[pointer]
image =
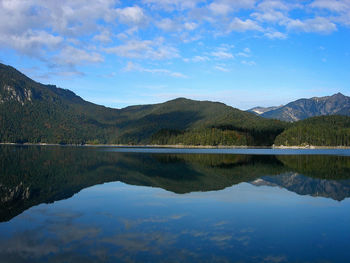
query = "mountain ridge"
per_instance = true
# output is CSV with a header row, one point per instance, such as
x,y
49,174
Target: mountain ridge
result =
x,y
336,104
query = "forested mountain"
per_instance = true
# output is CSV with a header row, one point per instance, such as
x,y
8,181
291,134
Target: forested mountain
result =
x,y
37,113
321,130
32,112
337,104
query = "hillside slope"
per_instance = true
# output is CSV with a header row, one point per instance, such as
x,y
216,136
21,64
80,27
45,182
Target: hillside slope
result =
x,y
318,131
196,122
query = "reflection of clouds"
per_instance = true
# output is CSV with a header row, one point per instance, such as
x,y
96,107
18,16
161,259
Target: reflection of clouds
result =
x,y
194,233
53,239
62,224
70,233
57,214
244,240
150,247
58,237
128,223
152,242
220,238
220,223
27,244
64,239
247,230
175,217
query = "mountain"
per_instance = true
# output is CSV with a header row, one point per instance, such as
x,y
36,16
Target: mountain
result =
x,y
260,110
37,113
337,104
33,112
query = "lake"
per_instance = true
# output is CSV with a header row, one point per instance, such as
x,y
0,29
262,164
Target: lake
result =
x,y
106,204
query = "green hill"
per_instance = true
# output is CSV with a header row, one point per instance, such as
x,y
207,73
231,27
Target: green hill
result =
x,y
33,112
196,123
318,131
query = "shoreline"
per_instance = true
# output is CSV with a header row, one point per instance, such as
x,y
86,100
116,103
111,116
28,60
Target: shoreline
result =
x,y
180,146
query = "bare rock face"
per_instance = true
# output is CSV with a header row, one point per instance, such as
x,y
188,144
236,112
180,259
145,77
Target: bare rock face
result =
x,y
12,94
261,110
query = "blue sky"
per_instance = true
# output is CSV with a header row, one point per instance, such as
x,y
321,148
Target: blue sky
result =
x,y
244,53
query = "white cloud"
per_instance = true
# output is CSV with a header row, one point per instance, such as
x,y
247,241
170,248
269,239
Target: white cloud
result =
x,y
145,49
136,67
72,56
32,43
269,16
220,9
275,4
340,9
318,25
104,36
245,53
332,5
243,25
221,68
200,59
242,54
172,25
41,29
170,5
223,52
220,54
234,4
275,35
190,26
167,24
274,11
72,18
131,15
248,63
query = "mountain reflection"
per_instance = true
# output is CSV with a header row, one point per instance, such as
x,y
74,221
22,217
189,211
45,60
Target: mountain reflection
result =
x,y
33,175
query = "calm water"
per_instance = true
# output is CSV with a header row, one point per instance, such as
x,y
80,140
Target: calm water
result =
x,y
72,204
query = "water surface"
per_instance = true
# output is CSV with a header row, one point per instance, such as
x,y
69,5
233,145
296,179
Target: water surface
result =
x,y
82,204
